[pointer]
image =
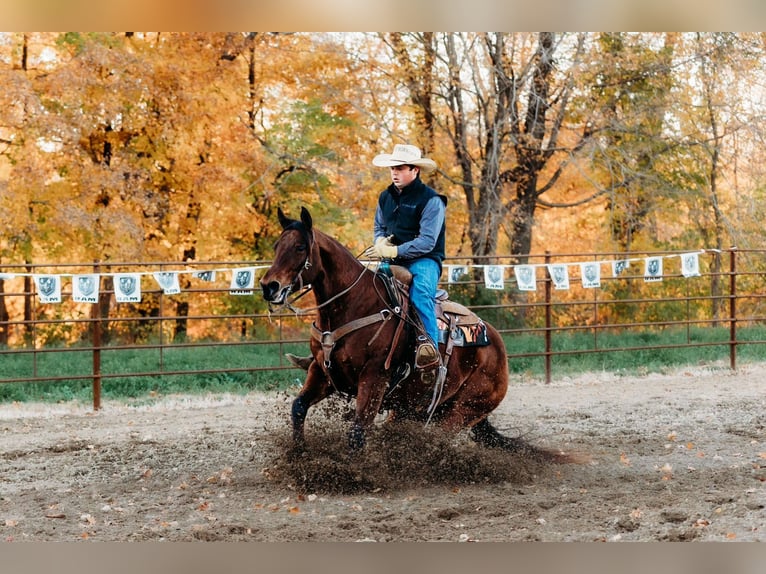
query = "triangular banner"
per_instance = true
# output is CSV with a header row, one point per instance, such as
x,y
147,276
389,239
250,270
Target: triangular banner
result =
x,y
208,276
48,288
653,269
85,288
127,287
493,277
590,274
559,274
619,265
242,281
168,282
525,277
455,272
690,265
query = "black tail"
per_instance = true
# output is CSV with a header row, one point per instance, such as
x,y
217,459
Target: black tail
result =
x,y
487,435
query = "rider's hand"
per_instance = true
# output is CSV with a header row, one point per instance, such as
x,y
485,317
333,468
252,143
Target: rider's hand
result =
x,y
384,241
373,251
385,251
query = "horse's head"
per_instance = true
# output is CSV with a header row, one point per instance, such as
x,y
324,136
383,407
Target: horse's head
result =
x,y
292,256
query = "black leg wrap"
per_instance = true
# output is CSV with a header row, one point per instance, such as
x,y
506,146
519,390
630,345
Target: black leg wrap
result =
x,y
299,410
356,438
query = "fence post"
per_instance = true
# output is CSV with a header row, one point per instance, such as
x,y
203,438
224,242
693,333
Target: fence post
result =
x,y
548,336
96,332
733,308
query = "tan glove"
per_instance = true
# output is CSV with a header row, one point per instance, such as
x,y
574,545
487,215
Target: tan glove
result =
x,y
373,252
385,250
384,241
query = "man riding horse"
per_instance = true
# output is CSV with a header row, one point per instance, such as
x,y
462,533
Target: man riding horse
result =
x,y
409,230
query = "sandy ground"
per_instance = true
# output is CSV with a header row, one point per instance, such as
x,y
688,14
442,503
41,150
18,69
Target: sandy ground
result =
x,y
672,457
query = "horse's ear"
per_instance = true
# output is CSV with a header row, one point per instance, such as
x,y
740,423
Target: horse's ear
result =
x,y
283,220
306,218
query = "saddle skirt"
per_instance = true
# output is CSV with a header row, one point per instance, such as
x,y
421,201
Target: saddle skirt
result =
x,y
458,325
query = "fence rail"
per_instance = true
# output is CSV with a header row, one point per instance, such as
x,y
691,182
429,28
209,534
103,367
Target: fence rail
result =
x,y
37,338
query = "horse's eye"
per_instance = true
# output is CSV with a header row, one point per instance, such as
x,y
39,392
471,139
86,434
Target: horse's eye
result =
x,y
301,248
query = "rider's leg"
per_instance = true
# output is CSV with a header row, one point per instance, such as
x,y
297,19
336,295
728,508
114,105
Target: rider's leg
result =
x,y
425,278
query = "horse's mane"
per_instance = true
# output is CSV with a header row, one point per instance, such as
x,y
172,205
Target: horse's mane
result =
x,y
338,249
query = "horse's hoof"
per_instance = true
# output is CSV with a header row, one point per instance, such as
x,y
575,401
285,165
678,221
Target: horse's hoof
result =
x,y
296,451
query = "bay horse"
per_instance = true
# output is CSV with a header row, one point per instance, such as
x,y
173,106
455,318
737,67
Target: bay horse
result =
x,y
357,350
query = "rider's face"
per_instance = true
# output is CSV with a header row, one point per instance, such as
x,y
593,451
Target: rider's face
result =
x,y
403,175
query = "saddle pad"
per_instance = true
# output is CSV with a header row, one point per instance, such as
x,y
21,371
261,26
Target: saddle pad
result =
x,y
474,335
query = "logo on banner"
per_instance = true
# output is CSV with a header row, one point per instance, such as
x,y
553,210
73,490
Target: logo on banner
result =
x,y
208,276
690,265
242,281
85,288
49,288
591,275
168,282
127,288
559,275
525,277
653,269
456,272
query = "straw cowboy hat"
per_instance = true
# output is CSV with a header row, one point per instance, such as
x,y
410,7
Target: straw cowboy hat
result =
x,y
405,154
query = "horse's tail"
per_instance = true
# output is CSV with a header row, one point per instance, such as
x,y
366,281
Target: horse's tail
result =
x,y
487,435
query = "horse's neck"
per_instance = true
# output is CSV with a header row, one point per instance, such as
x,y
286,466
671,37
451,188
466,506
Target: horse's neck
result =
x,y
340,288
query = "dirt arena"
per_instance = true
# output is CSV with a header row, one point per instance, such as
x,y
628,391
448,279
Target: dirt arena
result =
x,y
671,457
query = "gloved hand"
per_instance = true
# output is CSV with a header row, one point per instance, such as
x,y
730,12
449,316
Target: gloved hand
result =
x,y
380,242
384,241
385,250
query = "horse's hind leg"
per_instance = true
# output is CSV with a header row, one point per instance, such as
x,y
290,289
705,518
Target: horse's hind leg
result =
x,y
487,435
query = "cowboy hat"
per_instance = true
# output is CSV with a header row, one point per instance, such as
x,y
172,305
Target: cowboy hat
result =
x,y
404,154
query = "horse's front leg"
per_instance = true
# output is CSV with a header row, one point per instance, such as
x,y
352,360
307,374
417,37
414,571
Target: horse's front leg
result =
x,y
370,393
315,388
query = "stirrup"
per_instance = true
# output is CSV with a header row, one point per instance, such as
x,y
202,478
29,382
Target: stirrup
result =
x,y
426,355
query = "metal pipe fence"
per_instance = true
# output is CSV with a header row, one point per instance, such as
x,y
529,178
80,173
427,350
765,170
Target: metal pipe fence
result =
x,y
178,333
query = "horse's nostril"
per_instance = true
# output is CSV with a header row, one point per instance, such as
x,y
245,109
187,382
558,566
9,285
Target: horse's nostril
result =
x,y
270,289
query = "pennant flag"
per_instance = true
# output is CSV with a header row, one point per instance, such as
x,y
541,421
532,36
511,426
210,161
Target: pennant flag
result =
x,y
208,276
690,265
242,281
525,277
455,272
559,274
86,288
168,282
653,269
590,274
619,266
493,277
48,288
127,287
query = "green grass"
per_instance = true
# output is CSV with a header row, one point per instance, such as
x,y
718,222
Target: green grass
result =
x,y
121,372
130,384
579,347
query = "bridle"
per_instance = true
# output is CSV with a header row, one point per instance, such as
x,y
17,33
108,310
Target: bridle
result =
x,y
288,304
303,289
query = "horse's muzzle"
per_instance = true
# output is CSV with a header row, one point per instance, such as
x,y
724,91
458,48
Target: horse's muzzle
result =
x,y
274,292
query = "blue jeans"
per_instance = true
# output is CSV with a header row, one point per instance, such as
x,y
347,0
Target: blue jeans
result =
x,y
425,278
